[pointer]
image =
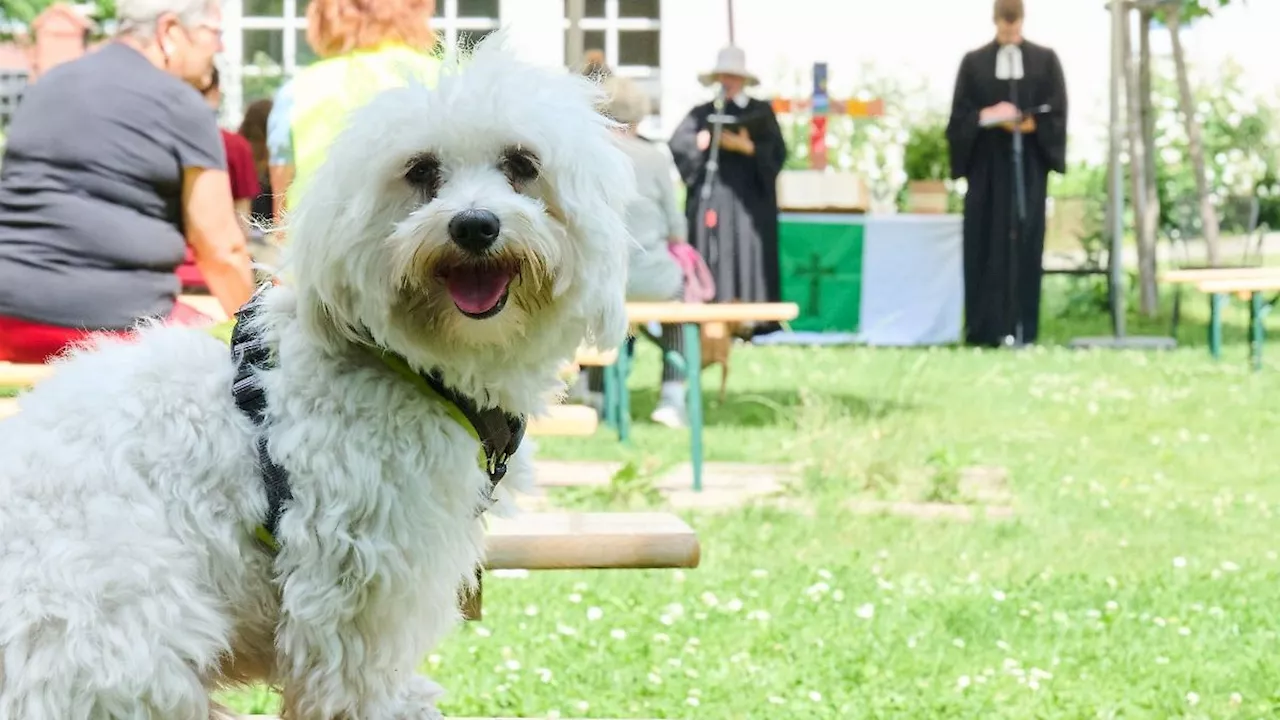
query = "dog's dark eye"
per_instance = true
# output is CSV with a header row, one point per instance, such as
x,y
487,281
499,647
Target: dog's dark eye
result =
x,y
520,166
423,173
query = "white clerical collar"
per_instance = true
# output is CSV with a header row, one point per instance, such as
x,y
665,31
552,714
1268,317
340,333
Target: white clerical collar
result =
x,y
741,100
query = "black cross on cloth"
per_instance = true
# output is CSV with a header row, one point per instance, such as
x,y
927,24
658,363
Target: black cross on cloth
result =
x,y
815,271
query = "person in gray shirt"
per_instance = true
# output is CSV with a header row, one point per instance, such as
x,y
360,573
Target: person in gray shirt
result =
x,y
113,165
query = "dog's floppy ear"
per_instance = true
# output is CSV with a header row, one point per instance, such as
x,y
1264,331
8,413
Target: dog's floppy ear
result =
x,y
607,249
594,188
608,327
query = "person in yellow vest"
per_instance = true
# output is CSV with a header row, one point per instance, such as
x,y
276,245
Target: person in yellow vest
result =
x,y
365,47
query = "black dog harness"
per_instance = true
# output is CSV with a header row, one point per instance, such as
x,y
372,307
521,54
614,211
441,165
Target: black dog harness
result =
x,y
498,432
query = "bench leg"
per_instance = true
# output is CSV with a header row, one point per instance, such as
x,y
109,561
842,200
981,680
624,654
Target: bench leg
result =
x,y
471,601
1257,311
1215,325
1177,311
610,410
622,394
693,396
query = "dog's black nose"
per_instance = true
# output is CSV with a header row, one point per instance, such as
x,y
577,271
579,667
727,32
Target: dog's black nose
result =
x,y
474,230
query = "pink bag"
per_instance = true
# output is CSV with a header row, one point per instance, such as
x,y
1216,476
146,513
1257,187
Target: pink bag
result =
x,y
698,285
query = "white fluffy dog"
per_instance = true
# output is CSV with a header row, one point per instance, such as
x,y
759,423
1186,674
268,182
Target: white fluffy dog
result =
x,y
474,231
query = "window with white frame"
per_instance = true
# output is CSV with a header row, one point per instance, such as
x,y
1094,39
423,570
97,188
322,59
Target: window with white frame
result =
x,y
273,40
273,44
629,34
464,21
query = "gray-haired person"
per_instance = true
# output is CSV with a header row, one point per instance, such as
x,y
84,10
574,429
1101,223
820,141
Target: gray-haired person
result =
x,y
113,166
655,222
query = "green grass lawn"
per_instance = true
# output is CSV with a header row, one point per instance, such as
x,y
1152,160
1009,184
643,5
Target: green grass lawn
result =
x,y
1139,577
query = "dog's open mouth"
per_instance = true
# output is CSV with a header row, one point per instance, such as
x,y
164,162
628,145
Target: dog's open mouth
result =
x,y
479,290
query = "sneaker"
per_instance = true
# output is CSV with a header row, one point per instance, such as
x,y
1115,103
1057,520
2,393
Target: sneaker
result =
x,y
671,409
670,415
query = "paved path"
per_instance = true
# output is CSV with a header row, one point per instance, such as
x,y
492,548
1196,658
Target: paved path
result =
x,y
982,490
724,485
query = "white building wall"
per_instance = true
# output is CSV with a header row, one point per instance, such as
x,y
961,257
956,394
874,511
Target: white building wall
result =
x,y
922,41
535,28
918,42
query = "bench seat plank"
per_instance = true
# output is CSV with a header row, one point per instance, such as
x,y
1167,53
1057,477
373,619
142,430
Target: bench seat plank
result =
x,y
591,541
1192,276
673,312
22,376
565,420
591,357
206,304
1234,285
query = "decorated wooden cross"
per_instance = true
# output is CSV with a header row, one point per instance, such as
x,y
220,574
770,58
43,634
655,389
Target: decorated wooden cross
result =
x,y
820,106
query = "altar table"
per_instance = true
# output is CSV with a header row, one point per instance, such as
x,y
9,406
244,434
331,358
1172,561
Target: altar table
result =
x,y
888,279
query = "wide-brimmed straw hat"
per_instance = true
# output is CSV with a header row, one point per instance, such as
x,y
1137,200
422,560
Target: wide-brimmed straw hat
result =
x,y
730,61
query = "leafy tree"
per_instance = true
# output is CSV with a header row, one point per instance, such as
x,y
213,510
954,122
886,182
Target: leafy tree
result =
x,y
1175,14
23,11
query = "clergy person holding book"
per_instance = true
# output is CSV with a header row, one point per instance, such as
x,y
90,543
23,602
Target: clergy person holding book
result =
x,y
1002,256
736,228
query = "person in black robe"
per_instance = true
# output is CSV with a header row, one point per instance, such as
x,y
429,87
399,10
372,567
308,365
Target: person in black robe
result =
x,y
996,299
741,245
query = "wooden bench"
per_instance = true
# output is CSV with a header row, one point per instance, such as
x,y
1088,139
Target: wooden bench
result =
x,y
1192,276
565,420
206,304
1252,283
584,541
560,420
587,541
691,316
22,376
274,718
1255,288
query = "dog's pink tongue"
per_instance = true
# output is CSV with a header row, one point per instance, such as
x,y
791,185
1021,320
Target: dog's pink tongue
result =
x,y
477,290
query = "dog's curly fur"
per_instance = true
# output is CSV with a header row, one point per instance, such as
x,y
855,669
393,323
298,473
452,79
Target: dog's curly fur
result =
x,y
131,585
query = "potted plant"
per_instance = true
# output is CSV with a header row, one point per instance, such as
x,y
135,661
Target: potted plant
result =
x,y
927,163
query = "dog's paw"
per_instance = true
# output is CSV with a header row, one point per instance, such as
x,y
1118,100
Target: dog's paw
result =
x,y
417,701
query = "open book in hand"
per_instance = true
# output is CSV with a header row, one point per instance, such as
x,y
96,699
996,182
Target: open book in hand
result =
x,y
1012,118
995,120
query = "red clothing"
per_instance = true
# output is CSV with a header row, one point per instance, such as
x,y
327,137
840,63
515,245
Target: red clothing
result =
x,y
36,343
240,166
244,186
